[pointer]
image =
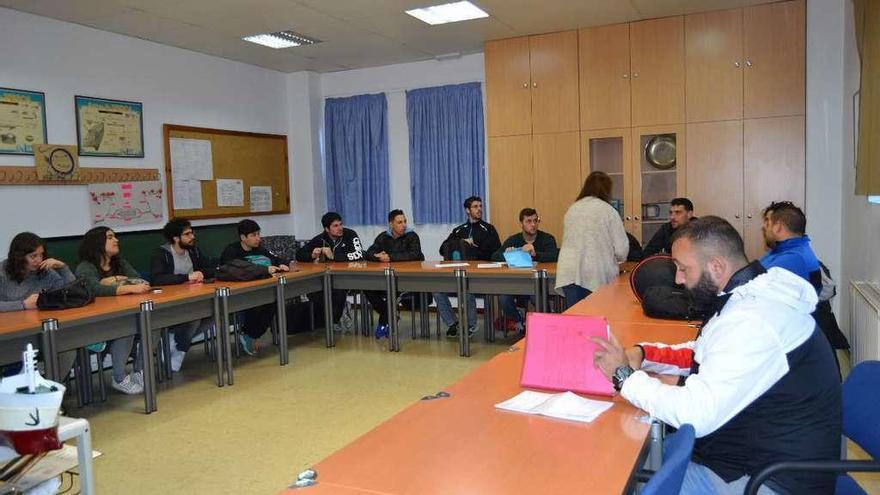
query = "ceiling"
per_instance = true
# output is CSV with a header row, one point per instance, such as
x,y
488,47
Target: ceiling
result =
x,y
354,33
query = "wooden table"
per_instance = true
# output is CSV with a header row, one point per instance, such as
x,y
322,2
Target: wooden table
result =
x,y
462,444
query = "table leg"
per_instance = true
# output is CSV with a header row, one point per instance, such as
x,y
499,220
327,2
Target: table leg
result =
x,y
218,346
281,317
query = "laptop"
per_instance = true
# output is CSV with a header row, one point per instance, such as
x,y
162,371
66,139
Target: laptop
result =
x,y
518,259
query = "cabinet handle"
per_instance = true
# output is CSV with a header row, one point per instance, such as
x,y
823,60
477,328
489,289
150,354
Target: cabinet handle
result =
x,y
736,216
635,218
626,76
534,85
635,75
526,85
748,216
748,62
736,63
628,219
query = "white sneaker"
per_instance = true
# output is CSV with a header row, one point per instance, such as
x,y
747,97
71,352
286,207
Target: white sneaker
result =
x,y
138,377
177,360
128,386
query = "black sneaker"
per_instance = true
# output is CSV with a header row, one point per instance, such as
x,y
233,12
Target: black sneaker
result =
x,y
452,331
472,330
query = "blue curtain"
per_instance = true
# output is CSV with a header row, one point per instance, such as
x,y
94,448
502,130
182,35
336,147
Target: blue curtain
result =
x,y
446,150
356,158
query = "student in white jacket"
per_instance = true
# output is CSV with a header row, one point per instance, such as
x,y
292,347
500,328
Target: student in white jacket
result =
x,y
593,241
759,383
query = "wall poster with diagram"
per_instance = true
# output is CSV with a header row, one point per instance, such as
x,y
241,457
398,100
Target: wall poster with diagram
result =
x,y
126,203
109,127
22,121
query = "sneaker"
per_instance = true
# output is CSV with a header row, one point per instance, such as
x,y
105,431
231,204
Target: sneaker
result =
x,y
471,331
128,386
247,344
138,377
381,331
452,331
177,360
96,348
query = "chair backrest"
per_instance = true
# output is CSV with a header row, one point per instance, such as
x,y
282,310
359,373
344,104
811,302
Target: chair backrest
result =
x,y
861,407
847,486
676,455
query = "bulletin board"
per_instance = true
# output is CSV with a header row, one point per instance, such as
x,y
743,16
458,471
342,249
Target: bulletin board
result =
x,y
258,161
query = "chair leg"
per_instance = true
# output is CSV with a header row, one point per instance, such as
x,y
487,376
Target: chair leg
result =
x,y
412,315
311,315
236,331
102,384
166,352
81,376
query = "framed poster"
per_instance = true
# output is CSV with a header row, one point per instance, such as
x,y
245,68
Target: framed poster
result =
x,y
109,127
22,121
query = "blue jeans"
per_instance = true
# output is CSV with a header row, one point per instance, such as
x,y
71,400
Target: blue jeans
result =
x,y
508,306
448,316
574,293
700,480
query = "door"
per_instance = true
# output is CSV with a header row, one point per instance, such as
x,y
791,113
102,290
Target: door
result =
x,y
610,151
604,77
510,181
713,55
715,170
508,87
656,184
775,167
558,180
554,64
774,77
657,52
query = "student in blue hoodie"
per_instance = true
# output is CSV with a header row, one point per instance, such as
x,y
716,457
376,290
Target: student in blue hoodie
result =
x,y
784,230
395,244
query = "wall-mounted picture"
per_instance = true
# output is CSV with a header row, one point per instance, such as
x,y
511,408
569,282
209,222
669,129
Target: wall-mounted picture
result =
x,y
22,121
109,127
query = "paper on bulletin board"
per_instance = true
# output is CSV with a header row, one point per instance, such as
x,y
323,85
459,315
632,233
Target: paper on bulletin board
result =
x,y
230,192
126,203
191,159
261,198
187,194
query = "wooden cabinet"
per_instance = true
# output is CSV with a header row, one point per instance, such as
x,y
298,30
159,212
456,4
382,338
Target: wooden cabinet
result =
x,y
554,63
774,170
532,84
774,49
657,67
508,83
604,77
653,188
557,177
715,170
511,181
714,59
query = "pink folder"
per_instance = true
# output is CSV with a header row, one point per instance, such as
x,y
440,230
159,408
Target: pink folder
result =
x,y
559,354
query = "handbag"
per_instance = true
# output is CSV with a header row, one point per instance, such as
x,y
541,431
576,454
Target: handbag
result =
x,y
73,295
241,271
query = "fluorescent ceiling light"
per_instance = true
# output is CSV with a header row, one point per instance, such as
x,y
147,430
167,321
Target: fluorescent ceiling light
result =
x,y
281,39
448,12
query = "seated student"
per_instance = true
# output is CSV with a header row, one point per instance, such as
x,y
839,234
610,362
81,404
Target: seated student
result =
x,y
758,384
249,248
180,261
108,274
540,245
395,244
681,211
472,240
335,243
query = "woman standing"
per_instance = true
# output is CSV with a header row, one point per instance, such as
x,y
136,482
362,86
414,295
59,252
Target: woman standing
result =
x,y
593,241
108,274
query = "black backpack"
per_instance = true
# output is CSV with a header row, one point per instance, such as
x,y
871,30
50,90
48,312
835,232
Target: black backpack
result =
x,y
241,271
73,295
465,250
653,283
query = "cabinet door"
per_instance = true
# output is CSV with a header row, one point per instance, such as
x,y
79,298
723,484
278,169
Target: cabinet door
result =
x,y
657,51
774,77
774,171
654,187
508,87
713,56
557,177
715,170
610,151
554,63
604,77
510,181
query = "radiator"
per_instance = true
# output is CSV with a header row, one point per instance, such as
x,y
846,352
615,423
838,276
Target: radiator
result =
x,y
864,324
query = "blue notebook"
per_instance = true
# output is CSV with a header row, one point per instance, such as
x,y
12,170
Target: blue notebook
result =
x,y
518,259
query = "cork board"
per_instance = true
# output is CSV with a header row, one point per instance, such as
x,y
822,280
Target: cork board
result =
x,y
258,160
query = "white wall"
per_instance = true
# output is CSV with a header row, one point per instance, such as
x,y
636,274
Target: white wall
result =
x,y
861,225
394,80
175,86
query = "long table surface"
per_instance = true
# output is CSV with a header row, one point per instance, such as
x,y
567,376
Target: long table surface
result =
x,y
462,444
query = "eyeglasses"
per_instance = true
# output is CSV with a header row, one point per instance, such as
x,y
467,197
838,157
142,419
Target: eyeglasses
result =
x,y
439,395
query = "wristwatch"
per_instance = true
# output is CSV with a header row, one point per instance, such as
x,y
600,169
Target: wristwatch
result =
x,y
620,375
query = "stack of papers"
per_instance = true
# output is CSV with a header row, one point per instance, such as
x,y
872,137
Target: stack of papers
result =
x,y
566,405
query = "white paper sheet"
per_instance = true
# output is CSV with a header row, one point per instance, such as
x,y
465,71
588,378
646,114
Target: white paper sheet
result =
x,y
191,159
261,198
566,405
187,194
450,265
230,192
